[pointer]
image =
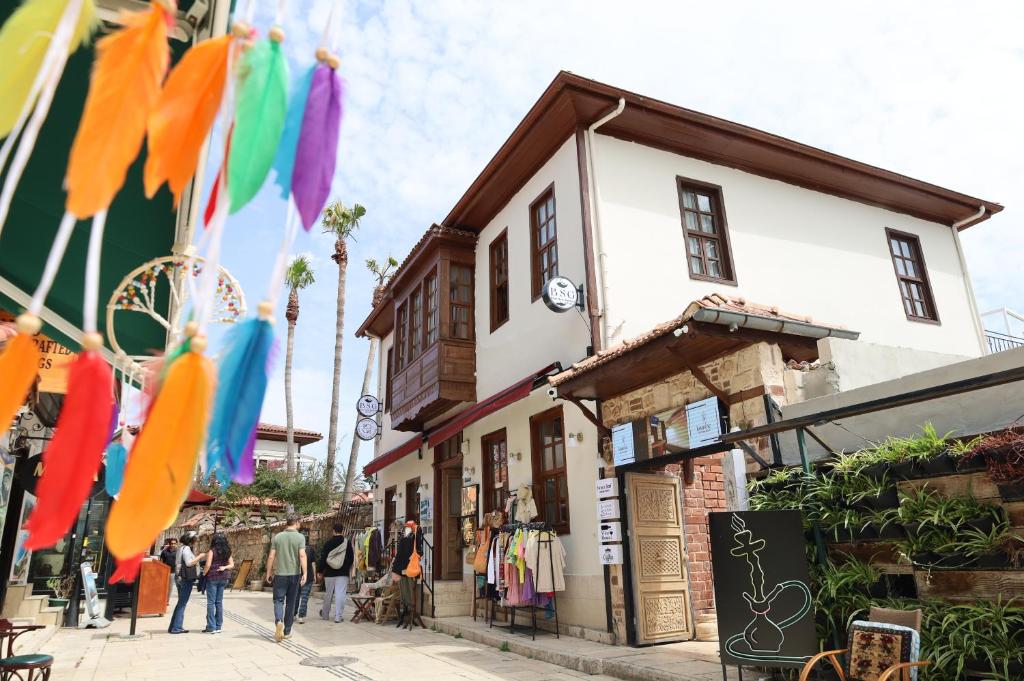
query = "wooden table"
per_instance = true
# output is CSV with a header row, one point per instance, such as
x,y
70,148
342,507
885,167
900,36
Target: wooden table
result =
x,y
364,608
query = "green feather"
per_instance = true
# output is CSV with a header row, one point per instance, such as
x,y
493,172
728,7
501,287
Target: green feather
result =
x,y
259,120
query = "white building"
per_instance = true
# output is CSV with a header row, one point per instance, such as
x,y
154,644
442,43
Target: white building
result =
x,y
653,210
271,450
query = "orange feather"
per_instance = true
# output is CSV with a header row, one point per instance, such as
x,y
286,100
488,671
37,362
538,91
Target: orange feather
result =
x,y
19,364
185,112
130,65
163,460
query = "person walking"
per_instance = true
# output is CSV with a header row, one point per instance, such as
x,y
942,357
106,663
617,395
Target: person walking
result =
x,y
311,575
219,565
169,557
186,572
336,562
286,571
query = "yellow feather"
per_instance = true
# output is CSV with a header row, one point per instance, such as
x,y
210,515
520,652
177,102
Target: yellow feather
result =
x,y
162,464
24,40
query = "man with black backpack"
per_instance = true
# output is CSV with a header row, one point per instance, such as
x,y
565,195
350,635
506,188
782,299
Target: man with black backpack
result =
x,y
335,564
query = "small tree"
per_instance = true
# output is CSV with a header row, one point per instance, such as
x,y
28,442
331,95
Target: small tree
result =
x,y
298,277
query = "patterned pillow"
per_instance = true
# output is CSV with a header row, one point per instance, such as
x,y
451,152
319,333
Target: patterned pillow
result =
x,y
875,646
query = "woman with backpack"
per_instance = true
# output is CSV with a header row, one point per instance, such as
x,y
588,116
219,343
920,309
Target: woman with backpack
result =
x,y
186,573
218,567
335,564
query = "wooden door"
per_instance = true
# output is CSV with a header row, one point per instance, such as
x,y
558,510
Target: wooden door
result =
x,y
451,535
661,598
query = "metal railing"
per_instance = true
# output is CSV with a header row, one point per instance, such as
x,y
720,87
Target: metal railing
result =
x,y
999,342
426,565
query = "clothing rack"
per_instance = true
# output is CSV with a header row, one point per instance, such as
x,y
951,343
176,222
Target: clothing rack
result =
x,y
542,527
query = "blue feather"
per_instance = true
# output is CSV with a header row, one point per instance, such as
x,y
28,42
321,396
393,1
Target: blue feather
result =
x,y
113,475
241,385
284,162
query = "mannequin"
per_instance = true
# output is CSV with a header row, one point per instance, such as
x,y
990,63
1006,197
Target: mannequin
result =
x,y
522,508
403,557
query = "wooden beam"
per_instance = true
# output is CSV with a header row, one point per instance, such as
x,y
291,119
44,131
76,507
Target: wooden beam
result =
x,y
744,395
602,430
699,374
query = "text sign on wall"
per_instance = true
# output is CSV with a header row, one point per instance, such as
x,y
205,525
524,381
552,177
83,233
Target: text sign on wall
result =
x,y
607,487
622,444
611,531
608,509
703,422
610,554
762,591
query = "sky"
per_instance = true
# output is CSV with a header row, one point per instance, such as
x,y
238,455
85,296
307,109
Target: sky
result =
x,y
930,89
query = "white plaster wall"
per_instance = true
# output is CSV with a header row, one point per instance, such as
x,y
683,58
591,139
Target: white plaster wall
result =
x,y
804,251
534,336
856,363
389,439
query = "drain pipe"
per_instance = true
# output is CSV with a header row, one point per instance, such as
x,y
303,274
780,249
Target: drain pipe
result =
x,y
602,268
975,315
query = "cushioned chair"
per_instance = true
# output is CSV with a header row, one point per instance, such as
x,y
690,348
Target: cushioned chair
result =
x,y
32,667
886,648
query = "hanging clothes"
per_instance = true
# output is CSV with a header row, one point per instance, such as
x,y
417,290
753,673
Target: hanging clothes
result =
x,y
549,559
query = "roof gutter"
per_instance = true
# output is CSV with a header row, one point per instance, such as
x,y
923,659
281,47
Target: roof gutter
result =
x,y
737,320
595,200
968,287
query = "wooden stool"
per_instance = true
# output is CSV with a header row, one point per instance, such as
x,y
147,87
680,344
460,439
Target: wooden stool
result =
x,y
364,608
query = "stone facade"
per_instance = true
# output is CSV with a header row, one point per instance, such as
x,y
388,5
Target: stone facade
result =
x,y
759,365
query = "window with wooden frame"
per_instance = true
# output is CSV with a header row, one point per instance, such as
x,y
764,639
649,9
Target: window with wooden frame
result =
x,y
550,475
495,470
412,500
387,384
430,293
402,337
708,253
499,280
912,276
461,297
449,449
415,323
390,507
543,240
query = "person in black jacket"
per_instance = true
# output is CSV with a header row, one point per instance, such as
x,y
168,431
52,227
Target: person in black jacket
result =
x,y
336,578
403,554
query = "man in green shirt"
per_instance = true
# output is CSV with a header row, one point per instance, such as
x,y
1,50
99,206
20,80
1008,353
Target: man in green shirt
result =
x,y
286,570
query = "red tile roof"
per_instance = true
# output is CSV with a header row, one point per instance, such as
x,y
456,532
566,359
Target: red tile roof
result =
x,y
270,431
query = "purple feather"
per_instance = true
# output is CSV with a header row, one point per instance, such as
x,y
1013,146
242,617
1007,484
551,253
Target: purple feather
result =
x,y
317,151
246,472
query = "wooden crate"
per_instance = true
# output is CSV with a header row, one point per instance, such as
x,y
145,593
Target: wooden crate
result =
x,y
884,556
969,585
963,484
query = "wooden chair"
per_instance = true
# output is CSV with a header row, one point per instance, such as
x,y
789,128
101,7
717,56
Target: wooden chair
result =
x,y
386,605
898,671
31,667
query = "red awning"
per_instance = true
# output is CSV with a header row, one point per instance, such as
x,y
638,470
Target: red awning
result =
x,y
381,462
197,498
509,395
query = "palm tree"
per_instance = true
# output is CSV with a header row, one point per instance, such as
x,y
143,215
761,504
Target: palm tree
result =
x,y
298,277
340,221
381,274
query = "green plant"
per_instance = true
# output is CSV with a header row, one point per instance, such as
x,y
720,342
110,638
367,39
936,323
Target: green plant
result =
x,y
928,444
773,479
62,587
987,634
458,634
504,647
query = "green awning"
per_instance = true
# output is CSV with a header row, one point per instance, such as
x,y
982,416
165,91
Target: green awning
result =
x,y
137,229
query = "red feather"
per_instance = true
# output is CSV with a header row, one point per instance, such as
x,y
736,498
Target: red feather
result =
x,y
127,570
73,458
211,203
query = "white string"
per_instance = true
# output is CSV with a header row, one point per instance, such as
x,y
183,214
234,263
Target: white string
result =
x,y
44,87
279,15
92,272
211,268
335,32
60,244
250,11
325,38
281,263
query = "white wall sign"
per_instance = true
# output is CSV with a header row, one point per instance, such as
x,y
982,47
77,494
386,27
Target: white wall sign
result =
x,y
607,487
622,444
560,294
608,509
610,554
703,422
610,531
734,477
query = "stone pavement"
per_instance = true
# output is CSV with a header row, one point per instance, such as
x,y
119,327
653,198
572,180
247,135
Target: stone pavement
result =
x,y
246,651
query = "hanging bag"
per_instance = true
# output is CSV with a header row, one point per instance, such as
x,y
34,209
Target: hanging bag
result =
x,y
414,569
336,558
483,547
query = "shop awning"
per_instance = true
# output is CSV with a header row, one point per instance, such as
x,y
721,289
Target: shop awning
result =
x,y
500,400
382,462
197,498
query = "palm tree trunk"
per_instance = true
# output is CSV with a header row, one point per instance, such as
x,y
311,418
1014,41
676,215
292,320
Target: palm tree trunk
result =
x,y
290,414
354,454
341,257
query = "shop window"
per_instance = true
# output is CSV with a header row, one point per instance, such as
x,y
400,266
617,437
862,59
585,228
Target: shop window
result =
x,y
449,449
430,289
412,500
461,297
544,240
390,499
708,254
495,470
550,475
912,276
499,280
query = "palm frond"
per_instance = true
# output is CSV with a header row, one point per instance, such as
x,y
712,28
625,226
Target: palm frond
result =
x,y
300,273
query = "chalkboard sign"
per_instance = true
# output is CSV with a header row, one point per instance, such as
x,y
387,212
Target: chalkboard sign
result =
x,y
762,588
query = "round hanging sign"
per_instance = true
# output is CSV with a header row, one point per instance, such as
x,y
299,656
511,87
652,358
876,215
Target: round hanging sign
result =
x,y
366,429
560,294
368,405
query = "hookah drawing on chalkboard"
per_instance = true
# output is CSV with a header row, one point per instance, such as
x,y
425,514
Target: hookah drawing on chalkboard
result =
x,y
763,638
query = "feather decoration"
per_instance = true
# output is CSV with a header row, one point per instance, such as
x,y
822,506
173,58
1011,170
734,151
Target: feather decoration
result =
x,y
18,366
160,469
24,41
242,382
215,191
127,569
180,123
76,451
259,118
130,65
113,472
317,151
284,161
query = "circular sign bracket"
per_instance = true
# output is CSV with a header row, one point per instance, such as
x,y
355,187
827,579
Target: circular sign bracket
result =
x,y
368,405
561,295
367,429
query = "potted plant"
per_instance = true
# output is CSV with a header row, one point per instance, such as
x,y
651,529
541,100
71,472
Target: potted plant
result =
x,y
885,523
877,494
929,453
992,549
62,588
959,452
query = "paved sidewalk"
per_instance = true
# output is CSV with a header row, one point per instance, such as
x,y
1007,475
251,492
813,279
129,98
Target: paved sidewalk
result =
x,y
246,651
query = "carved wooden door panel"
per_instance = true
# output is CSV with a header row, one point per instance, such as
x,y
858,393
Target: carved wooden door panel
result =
x,y
661,594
